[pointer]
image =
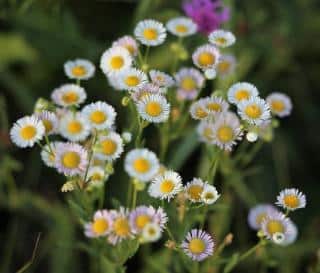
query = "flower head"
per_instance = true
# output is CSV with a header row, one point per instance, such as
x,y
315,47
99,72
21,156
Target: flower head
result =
x,y
121,228
206,57
27,131
291,199
226,65
258,213
99,115
189,82
151,233
254,110
181,26
166,185
222,38
154,108
198,245
150,32
194,189
129,43
109,147
48,154
209,194
140,217
74,127
68,95
161,79
49,120
280,104
79,69
242,91
100,226
132,79
71,159
141,164
115,60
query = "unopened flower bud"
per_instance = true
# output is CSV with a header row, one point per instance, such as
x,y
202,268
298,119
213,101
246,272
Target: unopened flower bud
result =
x,y
125,101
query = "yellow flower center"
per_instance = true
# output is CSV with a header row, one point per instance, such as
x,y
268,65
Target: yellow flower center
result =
x,y
181,29
201,113
78,71
242,95
277,106
121,227
197,246
130,48
71,160
291,201
224,66
274,226
141,165
188,84
151,231
209,196
47,125
100,226
28,132
225,133
108,146
253,111
142,220
221,40
132,81
206,59
150,34
116,62
153,109
74,127
98,117
96,176
70,97
194,191
213,106
166,186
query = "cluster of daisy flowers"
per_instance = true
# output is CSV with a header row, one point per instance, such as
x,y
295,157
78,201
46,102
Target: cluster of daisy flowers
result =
x,y
273,224
82,143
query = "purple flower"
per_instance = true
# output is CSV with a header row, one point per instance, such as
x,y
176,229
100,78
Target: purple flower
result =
x,y
207,14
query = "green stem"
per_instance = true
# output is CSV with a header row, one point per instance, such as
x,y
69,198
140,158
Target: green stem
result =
x,y
146,55
90,156
134,196
250,251
213,169
164,140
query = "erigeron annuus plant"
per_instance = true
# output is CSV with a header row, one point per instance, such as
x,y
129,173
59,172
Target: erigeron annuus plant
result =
x,y
84,143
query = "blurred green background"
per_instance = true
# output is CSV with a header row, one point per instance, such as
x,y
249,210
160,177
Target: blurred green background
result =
x,y
278,50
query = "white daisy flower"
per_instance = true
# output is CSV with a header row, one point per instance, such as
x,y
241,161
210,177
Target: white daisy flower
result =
x,y
141,164
49,120
132,79
209,194
206,57
276,223
198,245
280,104
48,154
215,105
79,69
96,175
291,199
100,226
194,189
129,43
74,127
151,233
140,217
166,185
161,218
161,79
205,131
189,82
181,26
226,131
254,110
109,147
226,65
154,108
99,115
242,91
222,38
115,60
71,159
150,32
27,131
68,95
121,228
258,213
199,110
